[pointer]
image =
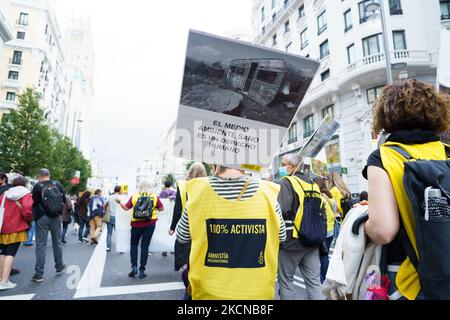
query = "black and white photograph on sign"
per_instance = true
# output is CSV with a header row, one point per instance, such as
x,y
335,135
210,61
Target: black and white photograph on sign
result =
x,y
245,81
238,101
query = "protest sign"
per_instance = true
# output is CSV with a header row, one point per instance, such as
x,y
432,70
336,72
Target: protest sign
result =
x,y
444,61
319,139
161,241
94,183
238,101
319,168
123,228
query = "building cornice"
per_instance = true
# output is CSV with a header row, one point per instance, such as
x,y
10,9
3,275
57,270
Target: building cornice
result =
x,y
5,30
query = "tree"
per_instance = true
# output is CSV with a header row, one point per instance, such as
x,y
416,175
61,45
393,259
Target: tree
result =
x,y
207,167
27,144
25,137
65,161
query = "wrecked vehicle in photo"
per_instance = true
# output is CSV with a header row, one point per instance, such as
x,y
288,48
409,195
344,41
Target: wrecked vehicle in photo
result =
x,y
268,81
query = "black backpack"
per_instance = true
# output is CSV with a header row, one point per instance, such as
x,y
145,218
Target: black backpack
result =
x,y
313,227
427,184
52,200
144,207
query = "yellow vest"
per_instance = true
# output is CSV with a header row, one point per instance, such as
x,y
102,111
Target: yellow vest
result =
x,y
407,279
330,213
235,244
135,199
301,195
337,196
183,194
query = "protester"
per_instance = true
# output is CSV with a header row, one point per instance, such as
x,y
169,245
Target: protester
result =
x,y
235,225
331,208
413,114
295,202
145,203
17,204
168,192
4,185
341,194
363,196
83,203
96,210
182,250
66,217
49,198
76,215
110,216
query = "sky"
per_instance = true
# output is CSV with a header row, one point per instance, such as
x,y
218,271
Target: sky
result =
x,y
140,49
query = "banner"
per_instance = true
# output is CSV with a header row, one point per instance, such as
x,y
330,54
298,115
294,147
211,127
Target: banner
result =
x,y
444,61
161,241
94,184
76,178
123,227
238,101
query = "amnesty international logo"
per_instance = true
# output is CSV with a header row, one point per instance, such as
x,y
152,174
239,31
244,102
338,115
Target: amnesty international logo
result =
x,y
261,258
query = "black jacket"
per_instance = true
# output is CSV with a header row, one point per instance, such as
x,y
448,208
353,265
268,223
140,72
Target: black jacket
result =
x,y
289,203
38,210
5,188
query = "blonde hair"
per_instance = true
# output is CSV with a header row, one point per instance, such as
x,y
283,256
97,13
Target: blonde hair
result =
x,y
145,186
197,170
336,181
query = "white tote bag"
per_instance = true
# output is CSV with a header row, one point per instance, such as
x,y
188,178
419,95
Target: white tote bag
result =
x,y
2,211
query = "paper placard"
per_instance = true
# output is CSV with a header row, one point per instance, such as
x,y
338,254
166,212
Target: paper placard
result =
x,y
237,101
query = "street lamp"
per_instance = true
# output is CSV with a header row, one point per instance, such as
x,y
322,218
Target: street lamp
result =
x,y
379,7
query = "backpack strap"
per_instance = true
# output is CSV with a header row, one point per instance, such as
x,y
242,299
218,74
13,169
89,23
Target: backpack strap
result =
x,y
402,152
407,246
447,150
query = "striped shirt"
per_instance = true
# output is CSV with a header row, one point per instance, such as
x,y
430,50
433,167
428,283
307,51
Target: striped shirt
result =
x,y
229,189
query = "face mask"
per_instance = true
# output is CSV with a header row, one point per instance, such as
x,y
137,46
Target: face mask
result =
x,y
282,171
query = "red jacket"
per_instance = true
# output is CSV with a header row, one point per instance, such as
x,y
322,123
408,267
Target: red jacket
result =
x,y
16,219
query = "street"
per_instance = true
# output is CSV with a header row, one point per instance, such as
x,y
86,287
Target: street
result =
x,y
94,274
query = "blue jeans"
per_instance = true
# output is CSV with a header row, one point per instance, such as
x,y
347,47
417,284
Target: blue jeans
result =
x,y
325,260
84,225
144,236
31,232
111,225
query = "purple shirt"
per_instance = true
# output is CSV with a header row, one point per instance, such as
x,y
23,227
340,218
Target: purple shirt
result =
x,y
168,193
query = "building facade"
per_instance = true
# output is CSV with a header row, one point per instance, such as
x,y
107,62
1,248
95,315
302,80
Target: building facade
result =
x,y
163,163
346,37
80,62
150,169
34,59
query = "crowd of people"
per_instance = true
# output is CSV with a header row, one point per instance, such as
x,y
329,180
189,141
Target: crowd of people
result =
x,y
237,234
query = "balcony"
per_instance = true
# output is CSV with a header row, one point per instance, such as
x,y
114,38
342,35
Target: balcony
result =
x,y
379,60
9,83
8,105
445,17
